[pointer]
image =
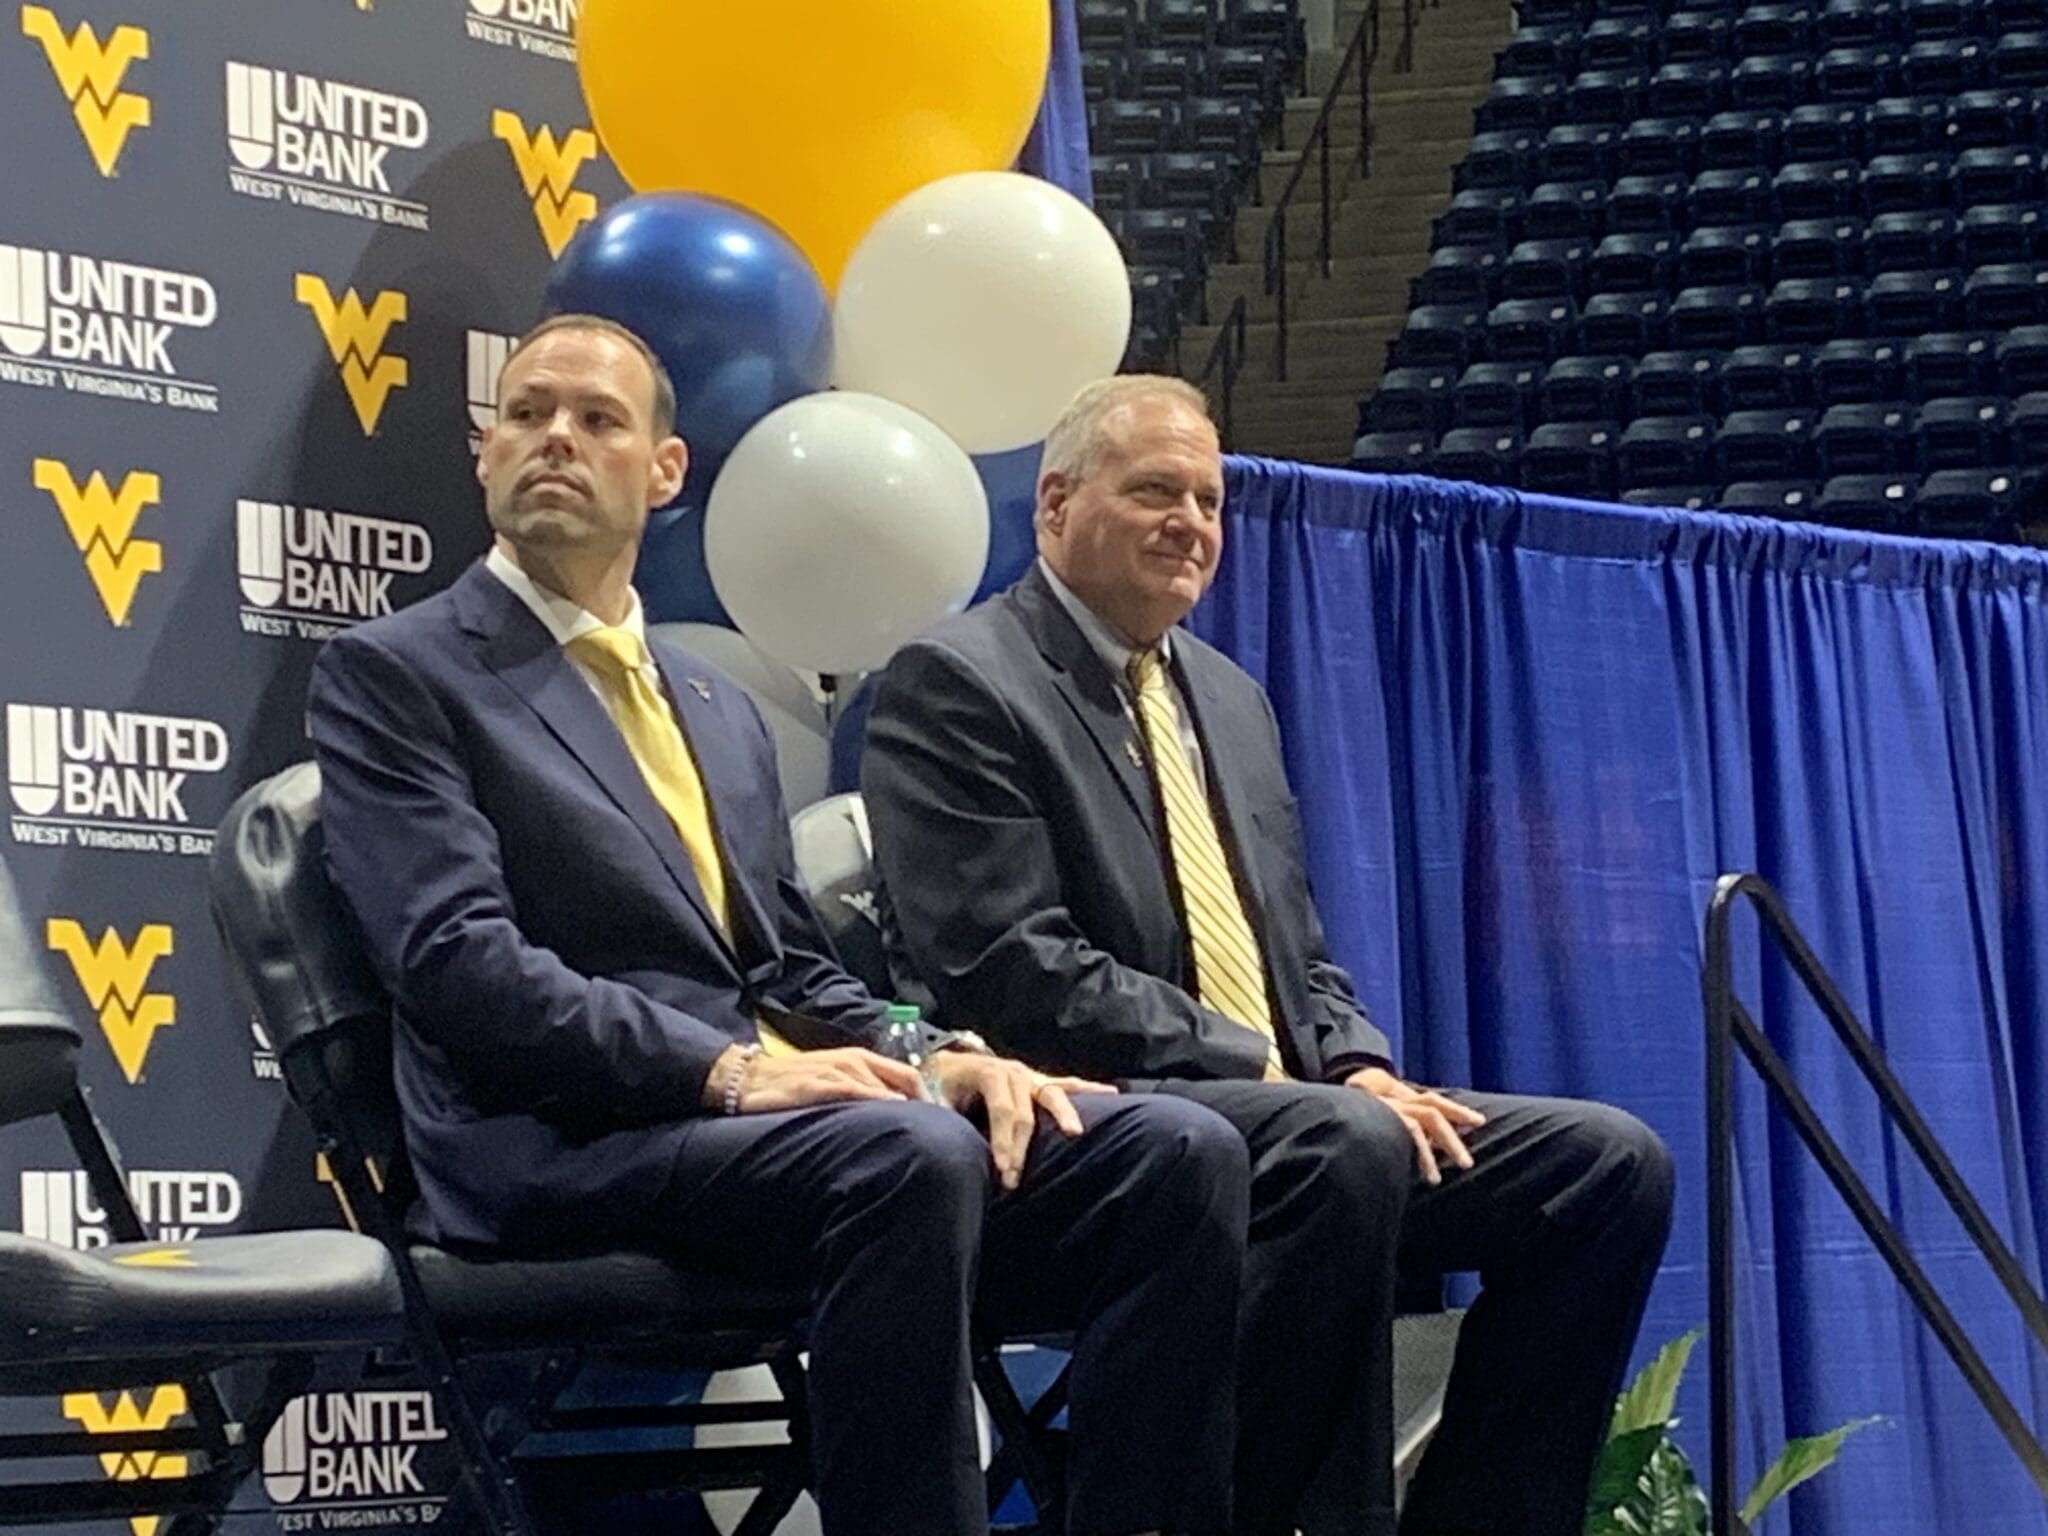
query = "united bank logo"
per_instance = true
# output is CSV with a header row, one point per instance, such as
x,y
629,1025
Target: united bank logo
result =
x,y
354,1448
101,520
112,780
114,974
487,352
101,327
355,340
321,144
544,27
125,1413
547,170
90,74
58,1205
311,571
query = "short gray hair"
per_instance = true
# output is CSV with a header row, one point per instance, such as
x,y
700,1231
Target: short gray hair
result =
x,y
1074,446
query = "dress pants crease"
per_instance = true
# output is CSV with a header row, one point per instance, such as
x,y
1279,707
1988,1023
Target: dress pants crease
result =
x,y
1564,1216
1130,1235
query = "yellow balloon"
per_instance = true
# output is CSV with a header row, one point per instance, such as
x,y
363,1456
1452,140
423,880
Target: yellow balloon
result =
x,y
815,114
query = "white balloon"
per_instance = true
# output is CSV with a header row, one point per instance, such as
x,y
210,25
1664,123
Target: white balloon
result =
x,y
792,712
768,680
983,301
840,526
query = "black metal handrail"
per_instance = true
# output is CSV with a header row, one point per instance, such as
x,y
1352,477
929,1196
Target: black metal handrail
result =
x,y
1226,355
1728,1020
1362,52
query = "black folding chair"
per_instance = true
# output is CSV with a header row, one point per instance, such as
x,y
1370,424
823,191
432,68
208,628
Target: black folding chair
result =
x,y
543,1323
136,1312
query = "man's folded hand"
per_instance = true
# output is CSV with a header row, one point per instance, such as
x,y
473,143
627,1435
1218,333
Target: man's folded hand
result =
x,y
813,1077
1432,1120
1012,1094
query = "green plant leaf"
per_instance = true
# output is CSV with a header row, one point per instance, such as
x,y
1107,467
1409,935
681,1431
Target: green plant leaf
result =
x,y
1677,1506
1799,1460
1652,1395
1619,1471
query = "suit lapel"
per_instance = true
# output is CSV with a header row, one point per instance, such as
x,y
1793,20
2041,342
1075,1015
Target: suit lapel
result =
x,y
521,650
1085,683
727,771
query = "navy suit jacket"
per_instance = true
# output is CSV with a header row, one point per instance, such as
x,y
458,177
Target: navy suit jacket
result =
x,y
1023,857
559,988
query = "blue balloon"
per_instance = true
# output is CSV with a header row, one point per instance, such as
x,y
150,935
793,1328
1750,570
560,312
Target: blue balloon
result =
x,y
673,581
731,307
1011,480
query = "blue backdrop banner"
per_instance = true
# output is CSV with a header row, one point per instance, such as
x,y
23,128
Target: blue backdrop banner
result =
x,y
1058,147
1528,734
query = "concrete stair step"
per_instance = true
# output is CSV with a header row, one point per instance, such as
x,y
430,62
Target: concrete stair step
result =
x,y
1339,351
1358,286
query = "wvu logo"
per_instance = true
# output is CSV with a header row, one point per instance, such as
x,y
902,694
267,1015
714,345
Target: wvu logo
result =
x,y
165,1406
89,74
548,172
355,340
102,524
114,977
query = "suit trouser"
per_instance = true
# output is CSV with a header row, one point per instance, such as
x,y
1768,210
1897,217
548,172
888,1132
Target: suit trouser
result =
x,y
1132,1235
1564,1215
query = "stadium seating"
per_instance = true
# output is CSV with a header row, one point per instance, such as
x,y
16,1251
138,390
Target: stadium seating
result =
x,y
1782,257
1181,97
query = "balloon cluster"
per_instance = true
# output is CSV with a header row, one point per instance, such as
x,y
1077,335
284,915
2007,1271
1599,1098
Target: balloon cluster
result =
x,y
871,323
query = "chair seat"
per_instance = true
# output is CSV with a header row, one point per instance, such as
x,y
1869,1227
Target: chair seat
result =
x,y
605,1292
325,1280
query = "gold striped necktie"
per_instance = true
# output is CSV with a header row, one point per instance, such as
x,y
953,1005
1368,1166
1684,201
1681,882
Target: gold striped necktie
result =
x,y
1230,974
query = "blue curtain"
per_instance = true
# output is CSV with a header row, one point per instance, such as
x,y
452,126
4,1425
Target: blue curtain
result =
x,y
1528,734
1058,147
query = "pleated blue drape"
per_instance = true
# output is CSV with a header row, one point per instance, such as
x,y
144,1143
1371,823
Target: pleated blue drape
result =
x,y
1528,734
1058,147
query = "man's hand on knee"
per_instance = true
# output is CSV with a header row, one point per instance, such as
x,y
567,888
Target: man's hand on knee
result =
x,y
1012,1094
1432,1120
810,1077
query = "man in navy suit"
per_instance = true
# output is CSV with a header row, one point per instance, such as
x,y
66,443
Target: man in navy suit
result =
x,y
571,864
1090,851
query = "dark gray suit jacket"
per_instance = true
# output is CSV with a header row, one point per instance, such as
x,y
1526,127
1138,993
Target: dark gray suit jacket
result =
x,y
1025,886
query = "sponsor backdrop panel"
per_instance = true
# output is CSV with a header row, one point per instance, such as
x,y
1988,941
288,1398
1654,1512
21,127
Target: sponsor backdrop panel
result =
x,y
257,268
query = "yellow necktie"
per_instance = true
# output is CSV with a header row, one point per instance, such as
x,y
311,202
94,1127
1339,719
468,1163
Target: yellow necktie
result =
x,y
1230,974
641,712
643,717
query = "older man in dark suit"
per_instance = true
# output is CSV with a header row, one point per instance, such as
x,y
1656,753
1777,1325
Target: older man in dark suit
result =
x,y
571,864
1090,853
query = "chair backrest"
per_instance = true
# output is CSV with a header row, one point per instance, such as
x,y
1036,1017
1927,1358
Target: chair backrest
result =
x,y
835,858
38,1043
294,949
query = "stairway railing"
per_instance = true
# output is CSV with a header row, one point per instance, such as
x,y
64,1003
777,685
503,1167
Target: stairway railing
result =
x,y
1728,1020
1226,357
1360,54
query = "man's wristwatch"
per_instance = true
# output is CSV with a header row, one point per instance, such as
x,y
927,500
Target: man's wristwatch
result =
x,y
957,1040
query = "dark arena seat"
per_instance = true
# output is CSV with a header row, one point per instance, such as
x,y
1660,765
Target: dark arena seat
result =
x,y
1799,242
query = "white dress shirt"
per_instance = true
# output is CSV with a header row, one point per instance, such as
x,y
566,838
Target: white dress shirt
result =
x,y
566,620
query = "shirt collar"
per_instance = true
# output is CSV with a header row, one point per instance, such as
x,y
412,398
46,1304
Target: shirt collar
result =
x,y
1102,636
565,619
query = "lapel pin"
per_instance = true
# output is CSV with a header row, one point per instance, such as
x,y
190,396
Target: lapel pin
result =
x,y
1131,751
701,688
